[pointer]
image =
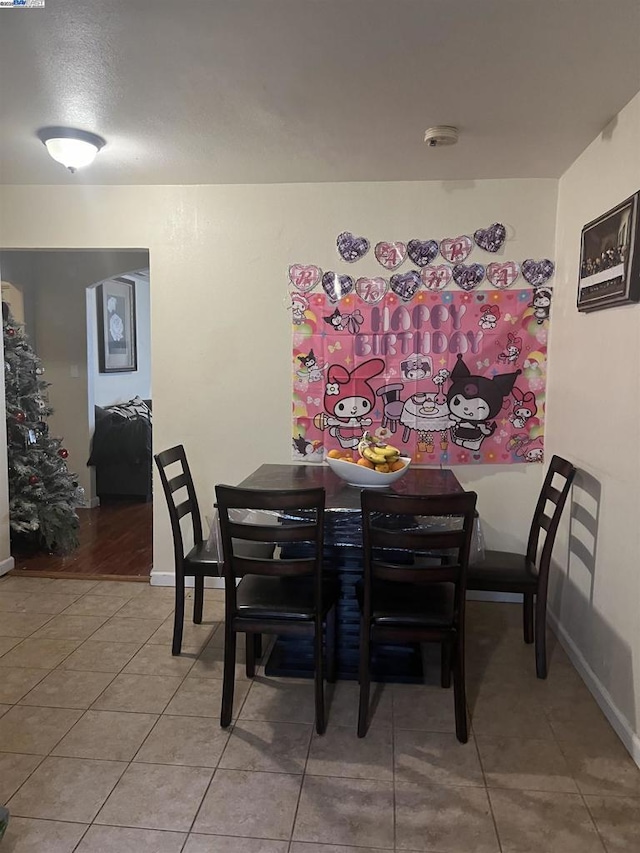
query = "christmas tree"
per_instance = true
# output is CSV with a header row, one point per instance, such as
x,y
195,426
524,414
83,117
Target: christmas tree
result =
x,y
42,493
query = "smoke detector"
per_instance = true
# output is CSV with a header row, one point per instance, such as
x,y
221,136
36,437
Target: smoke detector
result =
x,y
441,135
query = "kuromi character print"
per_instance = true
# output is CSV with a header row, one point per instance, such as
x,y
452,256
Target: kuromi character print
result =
x,y
541,303
489,317
511,352
345,322
349,400
524,408
310,369
473,402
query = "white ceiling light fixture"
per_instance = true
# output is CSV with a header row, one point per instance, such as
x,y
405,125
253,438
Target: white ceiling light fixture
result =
x,y
73,148
441,135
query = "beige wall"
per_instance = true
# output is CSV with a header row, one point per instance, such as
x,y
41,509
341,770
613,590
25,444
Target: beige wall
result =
x,y
221,373
594,416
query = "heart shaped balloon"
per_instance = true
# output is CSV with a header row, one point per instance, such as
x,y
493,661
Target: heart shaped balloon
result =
x,y
456,249
405,284
371,290
491,239
436,277
304,276
422,252
503,275
468,277
336,286
537,272
352,248
390,255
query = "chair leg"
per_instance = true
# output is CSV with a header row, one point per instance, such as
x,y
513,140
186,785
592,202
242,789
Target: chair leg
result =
x,y
365,677
198,599
250,655
527,617
459,693
445,665
229,675
541,636
318,661
257,642
178,616
331,645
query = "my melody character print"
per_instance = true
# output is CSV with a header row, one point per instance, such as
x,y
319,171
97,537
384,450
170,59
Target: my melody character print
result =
x,y
349,399
473,402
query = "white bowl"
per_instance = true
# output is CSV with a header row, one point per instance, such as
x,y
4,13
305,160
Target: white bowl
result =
x,y
366,478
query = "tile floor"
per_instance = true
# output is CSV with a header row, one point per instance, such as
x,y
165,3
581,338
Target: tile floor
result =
x,y
108,744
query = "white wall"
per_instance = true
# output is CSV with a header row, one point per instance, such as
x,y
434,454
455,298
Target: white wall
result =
x,y
108,388
594,416
221,343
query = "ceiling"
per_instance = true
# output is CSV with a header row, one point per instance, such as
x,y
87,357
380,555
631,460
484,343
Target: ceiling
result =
x,y
262,91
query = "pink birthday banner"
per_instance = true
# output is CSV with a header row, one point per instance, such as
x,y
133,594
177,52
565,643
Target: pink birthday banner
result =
x,y
448,377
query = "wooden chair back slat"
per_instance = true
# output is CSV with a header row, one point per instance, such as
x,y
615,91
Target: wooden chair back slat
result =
x,y
170,485
284,568
273,533
416,513
286,505
558,467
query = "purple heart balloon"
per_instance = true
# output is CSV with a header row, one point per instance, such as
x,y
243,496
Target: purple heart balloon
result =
x,y
352,248
336,286
537,272
405,284
490,239
468,277
422,252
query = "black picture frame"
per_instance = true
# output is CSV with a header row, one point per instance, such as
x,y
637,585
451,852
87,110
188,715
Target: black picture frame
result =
x,y
609,273
117,346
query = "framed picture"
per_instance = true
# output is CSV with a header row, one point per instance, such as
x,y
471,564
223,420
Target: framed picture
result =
x,y
117,351
610,258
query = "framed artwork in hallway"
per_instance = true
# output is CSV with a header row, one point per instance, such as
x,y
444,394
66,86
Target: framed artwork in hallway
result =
x,y
610,258
117,352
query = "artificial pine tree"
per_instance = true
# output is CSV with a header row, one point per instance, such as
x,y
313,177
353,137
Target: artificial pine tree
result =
x,y
42,493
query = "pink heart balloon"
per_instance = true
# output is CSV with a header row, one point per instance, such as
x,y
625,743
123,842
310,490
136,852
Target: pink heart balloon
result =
x,y
456,249
304,276
435,277
371,290
503,275
390,255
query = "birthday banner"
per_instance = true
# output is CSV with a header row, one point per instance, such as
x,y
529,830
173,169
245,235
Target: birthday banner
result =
x,y
447,377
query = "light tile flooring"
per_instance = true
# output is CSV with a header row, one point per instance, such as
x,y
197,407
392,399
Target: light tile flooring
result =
x,y
108,744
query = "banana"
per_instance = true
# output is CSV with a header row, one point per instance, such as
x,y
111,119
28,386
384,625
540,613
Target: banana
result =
x,y
370,454
388,451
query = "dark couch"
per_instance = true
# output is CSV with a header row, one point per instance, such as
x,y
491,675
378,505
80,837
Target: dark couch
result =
x,y
121,454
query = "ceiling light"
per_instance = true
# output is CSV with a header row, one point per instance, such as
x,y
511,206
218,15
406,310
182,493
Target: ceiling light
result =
x,y
73,148
442,134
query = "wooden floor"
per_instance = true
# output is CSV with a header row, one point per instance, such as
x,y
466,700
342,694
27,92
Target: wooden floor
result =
x,y
115,542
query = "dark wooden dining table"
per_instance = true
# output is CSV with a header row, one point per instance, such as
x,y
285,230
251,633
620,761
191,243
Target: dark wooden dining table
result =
x,y
343,556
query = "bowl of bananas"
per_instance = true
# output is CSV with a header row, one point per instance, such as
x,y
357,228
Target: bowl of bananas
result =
x,y
375,465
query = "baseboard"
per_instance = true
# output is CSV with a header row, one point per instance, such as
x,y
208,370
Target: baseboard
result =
x,y
6,565
618,721
169,579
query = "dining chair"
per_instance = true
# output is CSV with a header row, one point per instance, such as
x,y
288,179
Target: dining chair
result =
x,y
286,594
414,582
197,562
528,574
